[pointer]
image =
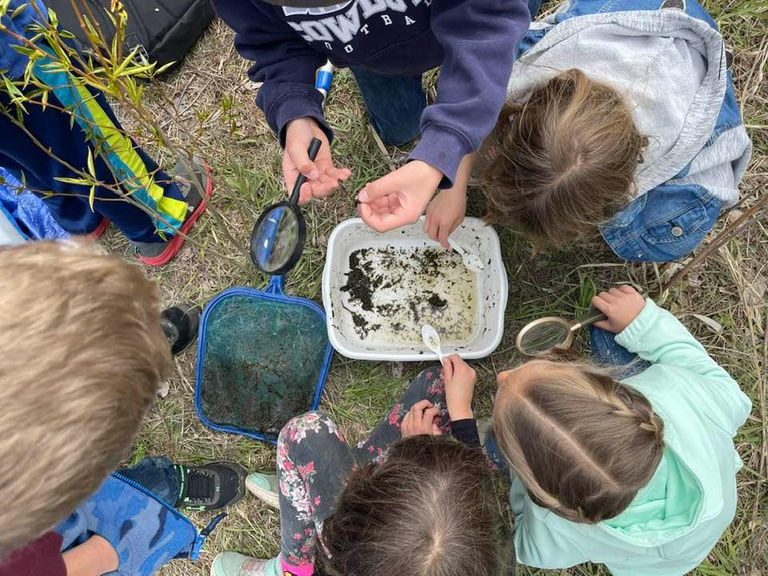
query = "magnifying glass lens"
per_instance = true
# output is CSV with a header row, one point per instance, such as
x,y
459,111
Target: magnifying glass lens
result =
x,y
276,239
544,336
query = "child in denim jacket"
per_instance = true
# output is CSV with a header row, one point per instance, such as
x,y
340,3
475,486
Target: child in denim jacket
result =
x,y
621,116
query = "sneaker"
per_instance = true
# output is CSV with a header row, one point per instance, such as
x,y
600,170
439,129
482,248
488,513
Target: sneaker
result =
x,y
181,324
98,232
265,488
234,564
160,253
210,487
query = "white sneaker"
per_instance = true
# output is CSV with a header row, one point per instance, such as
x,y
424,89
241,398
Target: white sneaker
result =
x,y
265,488
234,564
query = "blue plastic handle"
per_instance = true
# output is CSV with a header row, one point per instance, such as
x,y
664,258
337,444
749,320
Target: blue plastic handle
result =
x,y
270,226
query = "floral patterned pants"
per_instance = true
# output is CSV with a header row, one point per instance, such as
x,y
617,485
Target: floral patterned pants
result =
x,y
314,461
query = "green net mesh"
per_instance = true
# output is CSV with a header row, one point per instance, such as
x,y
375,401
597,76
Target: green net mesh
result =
x,y
261,362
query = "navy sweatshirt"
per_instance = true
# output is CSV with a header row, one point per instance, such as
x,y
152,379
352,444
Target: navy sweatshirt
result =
x,y
475,41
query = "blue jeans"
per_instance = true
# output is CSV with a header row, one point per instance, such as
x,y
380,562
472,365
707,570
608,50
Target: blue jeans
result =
x,y
29,163
606,352
156,474
395,103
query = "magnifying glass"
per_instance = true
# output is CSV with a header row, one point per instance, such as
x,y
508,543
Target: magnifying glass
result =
x,y
542,335
278,236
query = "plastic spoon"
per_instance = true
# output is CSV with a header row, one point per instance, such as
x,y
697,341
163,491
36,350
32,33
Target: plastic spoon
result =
x,y
471,261
432,341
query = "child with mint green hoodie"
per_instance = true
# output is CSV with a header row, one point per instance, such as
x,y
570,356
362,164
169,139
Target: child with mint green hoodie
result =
x,y
637,474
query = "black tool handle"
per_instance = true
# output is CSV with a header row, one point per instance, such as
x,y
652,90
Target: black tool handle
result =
x,y
592,316
314,148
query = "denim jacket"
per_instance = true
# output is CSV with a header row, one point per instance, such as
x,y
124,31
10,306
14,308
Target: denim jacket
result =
x,y
694,172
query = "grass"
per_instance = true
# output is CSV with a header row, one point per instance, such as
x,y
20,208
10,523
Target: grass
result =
x,y
217,104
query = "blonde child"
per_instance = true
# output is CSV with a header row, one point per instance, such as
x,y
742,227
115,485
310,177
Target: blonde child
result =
x,y
83,354
638,474
621,119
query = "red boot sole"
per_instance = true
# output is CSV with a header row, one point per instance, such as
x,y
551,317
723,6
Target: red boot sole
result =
x,y
178,240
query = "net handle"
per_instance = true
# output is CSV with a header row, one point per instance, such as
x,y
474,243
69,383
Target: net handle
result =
x,y
275,285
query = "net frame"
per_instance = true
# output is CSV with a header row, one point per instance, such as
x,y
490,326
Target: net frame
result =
x,y
273,292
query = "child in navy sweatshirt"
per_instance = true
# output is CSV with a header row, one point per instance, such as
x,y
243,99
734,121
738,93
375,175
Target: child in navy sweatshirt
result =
x,y
388,45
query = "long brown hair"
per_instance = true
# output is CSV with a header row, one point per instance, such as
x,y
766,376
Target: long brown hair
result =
x,y
561,162
430,509
582,443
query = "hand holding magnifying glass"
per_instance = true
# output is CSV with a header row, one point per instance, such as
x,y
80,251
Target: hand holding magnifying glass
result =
x,y
278,236
618,307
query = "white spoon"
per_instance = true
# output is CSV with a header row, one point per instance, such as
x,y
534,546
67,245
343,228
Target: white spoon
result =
x,y
471,261
432,341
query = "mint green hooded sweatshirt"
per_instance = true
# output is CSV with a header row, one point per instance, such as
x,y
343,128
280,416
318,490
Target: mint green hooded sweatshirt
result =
x,y
674,522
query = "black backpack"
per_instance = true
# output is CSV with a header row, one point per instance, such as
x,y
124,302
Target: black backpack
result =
x,y
165,29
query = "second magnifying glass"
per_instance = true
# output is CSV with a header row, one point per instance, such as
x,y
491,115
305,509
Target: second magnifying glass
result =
x,y
539,337
278,236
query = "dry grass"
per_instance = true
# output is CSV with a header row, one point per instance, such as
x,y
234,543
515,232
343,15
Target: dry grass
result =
x,y
216,103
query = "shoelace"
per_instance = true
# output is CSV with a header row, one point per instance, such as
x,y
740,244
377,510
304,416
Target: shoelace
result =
x,y
200,485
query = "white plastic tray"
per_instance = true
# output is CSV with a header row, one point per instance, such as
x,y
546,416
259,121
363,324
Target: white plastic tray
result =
x,y
491,284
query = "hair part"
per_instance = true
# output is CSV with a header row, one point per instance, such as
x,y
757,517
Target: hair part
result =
x,y
429,509
83,355
563,161
582,443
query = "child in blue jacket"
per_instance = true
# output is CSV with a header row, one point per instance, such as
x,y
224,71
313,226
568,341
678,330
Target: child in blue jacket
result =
x,y
388,45
46,145
622,118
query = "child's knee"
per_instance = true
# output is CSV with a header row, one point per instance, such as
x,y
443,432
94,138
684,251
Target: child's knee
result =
x,y
429,384
310,428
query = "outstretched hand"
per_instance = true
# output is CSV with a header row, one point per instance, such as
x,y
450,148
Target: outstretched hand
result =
x,y
322,176
400,197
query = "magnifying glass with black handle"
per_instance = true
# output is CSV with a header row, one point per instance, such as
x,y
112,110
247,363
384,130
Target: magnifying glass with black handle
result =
x,y
277,240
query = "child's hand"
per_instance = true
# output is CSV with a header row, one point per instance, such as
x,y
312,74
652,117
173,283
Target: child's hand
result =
x,y
460,380
400,197
420,420
621,305
445,213
322,176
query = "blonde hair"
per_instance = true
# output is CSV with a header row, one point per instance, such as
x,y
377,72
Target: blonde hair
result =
x,y
83,355
563,161
582,443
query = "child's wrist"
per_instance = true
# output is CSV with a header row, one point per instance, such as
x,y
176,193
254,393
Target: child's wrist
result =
x,y
463,413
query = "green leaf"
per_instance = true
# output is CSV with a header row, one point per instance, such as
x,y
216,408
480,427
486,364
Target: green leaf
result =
x,y
91,167
10,87
77,181
53,18
26,50
4,5
19,10
92,193
163,68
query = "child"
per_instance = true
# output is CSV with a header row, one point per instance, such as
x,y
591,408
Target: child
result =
x,y
622,117
52,142
388,45
425,505
639,474
83,355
